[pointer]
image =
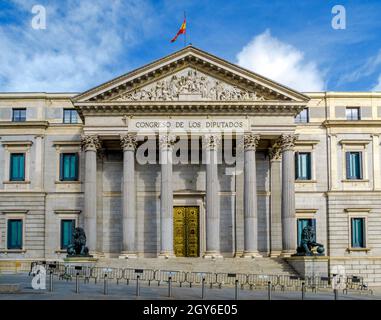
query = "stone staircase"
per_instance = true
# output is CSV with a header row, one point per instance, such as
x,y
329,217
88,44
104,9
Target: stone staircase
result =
x,y
261,265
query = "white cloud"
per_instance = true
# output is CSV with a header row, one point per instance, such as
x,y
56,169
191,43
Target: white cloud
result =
x,y
279,61
83,44
378,86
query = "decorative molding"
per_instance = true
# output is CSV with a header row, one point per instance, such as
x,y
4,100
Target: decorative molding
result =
x,y
275,152
358,210
362,142
287,141
65,211
17,143
66,143
251,141
14,211
128,141
90,142
189,84
167,141
306,142
211,141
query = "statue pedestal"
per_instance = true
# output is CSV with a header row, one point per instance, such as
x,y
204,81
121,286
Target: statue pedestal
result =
x,y
308,266
88,261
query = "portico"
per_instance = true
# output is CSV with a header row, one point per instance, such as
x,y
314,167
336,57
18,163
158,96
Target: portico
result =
x,y
214,108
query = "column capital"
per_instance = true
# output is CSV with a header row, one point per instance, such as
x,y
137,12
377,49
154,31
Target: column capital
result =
x,y
128,141
211,141
251,141
275,152
90,142
167,141
287,141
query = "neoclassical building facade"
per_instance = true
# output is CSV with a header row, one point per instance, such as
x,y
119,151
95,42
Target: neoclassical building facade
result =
x,y
192,156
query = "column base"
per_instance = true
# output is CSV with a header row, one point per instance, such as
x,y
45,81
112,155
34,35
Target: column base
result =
x,y
128,255
251,255
212,255
287,253
275,254
166,255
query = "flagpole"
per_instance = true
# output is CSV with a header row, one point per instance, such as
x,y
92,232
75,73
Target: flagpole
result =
x,y
185,34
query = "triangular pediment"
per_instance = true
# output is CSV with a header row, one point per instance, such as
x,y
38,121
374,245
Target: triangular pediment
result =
x,y
190,75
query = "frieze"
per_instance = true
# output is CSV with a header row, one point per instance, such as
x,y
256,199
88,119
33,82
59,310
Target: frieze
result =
x,y
189,84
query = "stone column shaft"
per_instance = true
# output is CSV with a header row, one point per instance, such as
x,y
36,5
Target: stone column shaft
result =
x,y
90,145
211,143
250,197
288,195
276,202
166,197
128,143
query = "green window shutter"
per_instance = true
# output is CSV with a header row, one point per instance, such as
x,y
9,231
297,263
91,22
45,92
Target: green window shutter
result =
x,y
359,164
76,166
67,228
15,234
297,165
358,232
348,165
69,166
17,167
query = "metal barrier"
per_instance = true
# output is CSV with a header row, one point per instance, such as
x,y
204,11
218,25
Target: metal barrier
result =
x,y
176,276
144,275
253,281
195,278
260,281
230,279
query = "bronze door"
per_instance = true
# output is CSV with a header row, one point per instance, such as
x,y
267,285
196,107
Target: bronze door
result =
x,y
186,231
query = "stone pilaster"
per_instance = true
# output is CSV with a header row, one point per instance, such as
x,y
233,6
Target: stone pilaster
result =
x,y
251,141
90,144
275,200
287,143
166,196
211,143
128,144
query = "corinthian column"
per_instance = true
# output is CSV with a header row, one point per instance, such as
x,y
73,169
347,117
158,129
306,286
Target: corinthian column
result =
x,y
211,143
166,196
128,144
90,144
287,143
250,197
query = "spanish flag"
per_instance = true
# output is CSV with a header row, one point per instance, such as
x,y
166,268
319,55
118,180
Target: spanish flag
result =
x,y
181,31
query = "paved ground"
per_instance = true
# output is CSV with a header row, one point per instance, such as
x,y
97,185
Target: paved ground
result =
x,y
66,290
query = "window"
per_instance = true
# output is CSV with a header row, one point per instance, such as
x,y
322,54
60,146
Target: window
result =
x,y
303,165
352,113
67,228
17,167
358,232
15,234
69,167
303,116
302,223
18,115
70,116
354,165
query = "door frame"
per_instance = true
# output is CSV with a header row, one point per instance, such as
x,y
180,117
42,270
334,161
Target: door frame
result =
x,y
194,199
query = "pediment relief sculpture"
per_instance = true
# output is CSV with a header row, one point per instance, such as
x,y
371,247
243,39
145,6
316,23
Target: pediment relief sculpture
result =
x,y
189,84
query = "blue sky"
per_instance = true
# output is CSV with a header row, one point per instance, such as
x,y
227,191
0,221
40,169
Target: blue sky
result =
x,y
89,42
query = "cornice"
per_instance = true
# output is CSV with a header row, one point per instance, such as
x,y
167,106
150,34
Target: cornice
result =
x,y
23,125
348,123
192,108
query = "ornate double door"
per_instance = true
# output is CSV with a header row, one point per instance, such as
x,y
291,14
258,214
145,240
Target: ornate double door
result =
x,y
186,231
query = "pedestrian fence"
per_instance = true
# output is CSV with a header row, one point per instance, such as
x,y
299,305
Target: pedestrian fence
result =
x,y
250,281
